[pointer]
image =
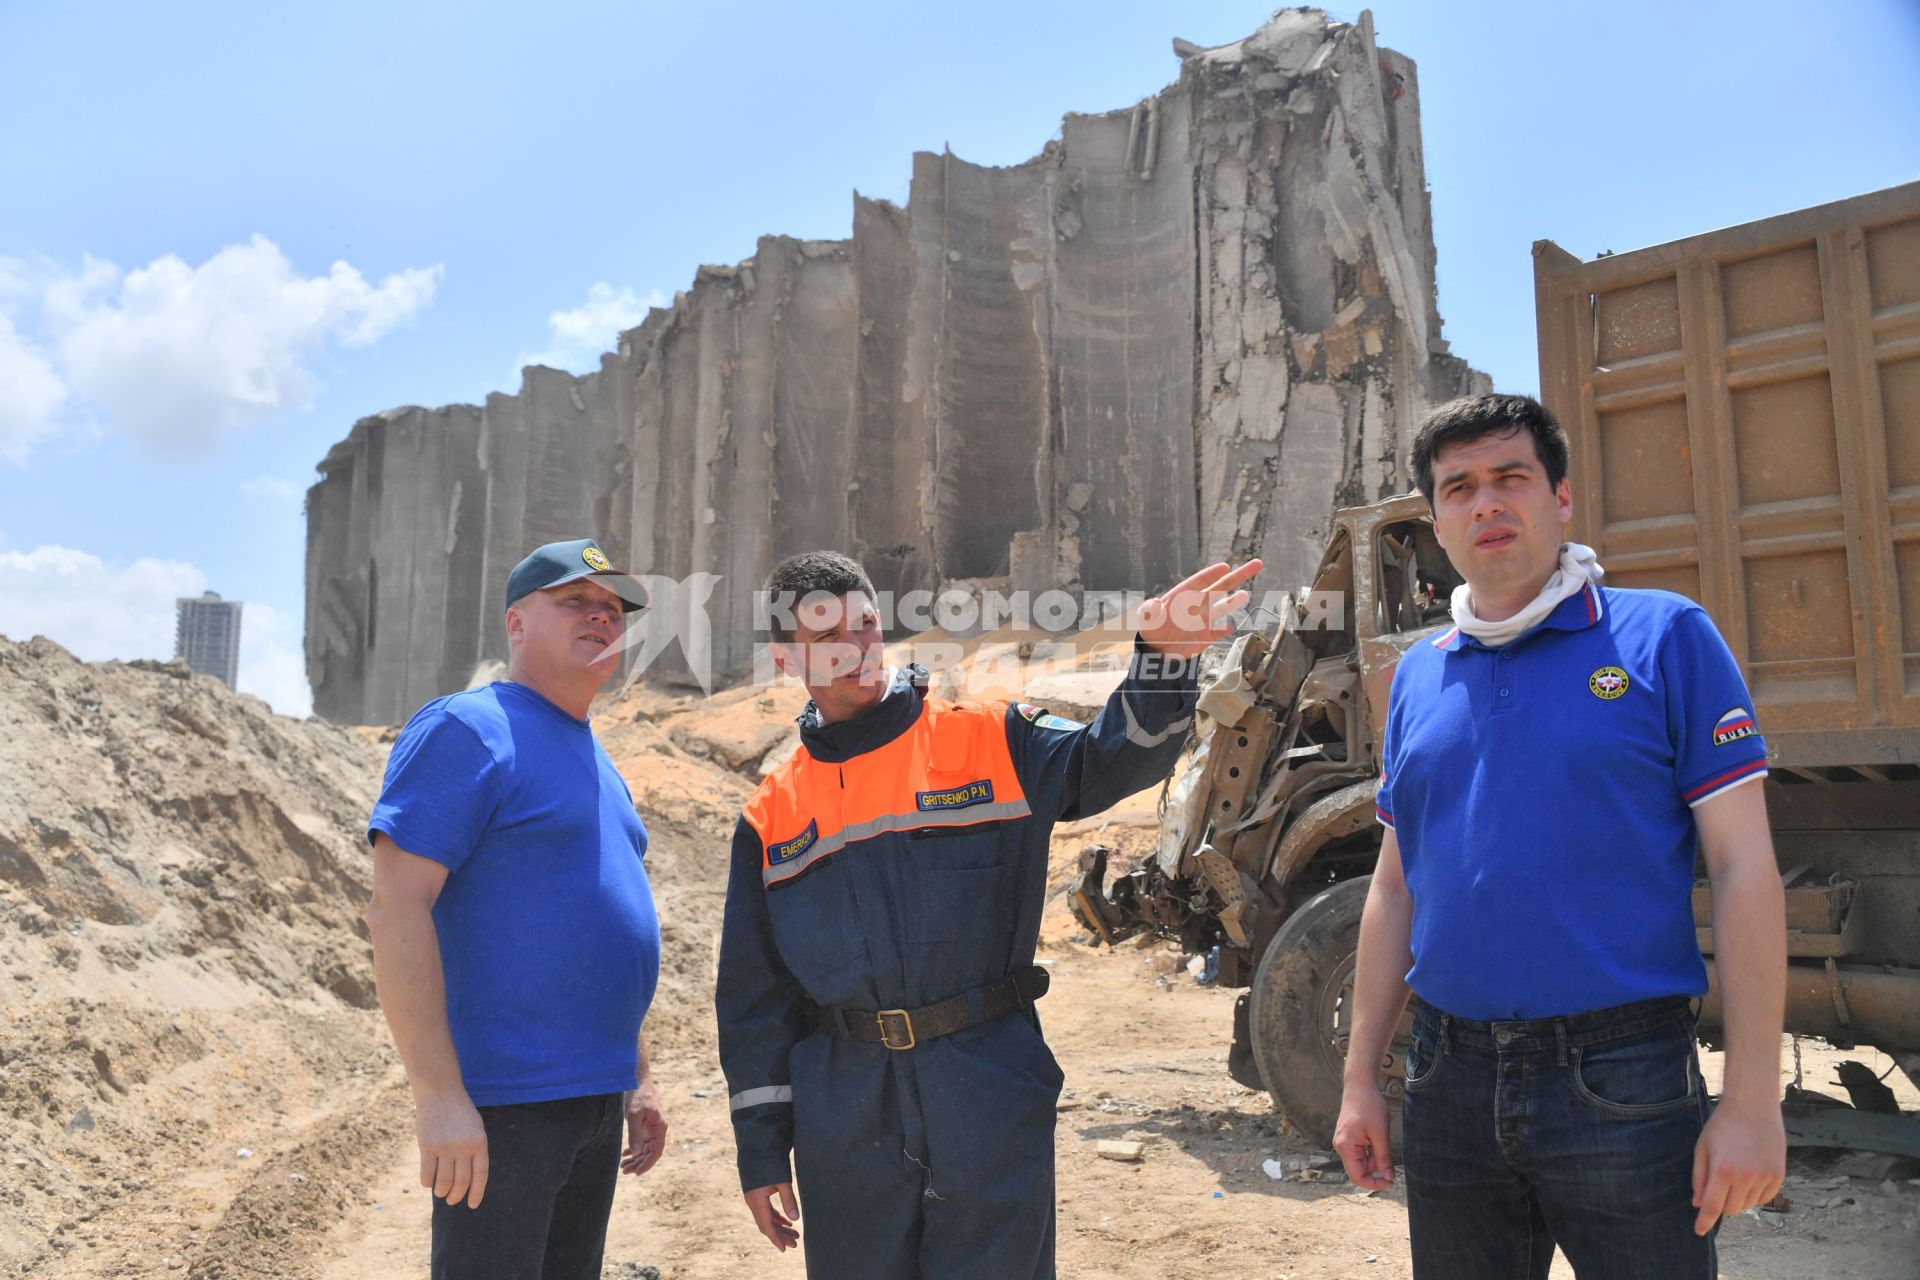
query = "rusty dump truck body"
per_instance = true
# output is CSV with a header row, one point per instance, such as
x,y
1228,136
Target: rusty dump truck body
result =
x,y
1744,410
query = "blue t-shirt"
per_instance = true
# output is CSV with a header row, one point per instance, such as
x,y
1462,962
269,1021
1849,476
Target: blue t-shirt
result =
x,y
1542,795
548,936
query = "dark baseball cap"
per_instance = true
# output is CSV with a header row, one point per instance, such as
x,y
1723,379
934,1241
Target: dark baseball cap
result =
x,y
559,562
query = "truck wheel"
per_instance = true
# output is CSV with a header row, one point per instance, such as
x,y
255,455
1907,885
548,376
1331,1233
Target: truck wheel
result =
x,y
1302,1012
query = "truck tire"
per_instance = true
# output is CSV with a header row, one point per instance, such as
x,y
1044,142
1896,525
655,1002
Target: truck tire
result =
x,y
1301,1011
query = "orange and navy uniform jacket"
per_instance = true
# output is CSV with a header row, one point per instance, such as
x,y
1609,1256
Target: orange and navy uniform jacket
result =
x,y
897,859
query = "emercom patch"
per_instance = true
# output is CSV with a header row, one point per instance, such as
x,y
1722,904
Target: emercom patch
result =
x,y
961,797
1608,683
1733,726
788,850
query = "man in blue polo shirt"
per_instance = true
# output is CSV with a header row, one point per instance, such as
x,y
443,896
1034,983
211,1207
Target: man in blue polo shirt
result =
x,y
514,939
1551,766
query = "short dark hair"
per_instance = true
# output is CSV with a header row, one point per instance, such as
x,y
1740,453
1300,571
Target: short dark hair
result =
x,y
809,573
1471,418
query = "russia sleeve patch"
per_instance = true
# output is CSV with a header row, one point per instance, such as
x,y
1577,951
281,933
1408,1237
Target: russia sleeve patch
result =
x,y
1733,726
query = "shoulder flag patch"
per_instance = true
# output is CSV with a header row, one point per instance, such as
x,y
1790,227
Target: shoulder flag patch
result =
x,y
1733,726
1041,718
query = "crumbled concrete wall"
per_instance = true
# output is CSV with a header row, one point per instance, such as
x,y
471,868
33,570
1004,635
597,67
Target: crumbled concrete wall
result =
x,y
416,519
1187,330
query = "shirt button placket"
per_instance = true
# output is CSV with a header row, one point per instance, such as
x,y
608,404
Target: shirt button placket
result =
x,y
1503,681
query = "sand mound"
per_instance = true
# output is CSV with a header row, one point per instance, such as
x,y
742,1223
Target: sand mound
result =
x,y
181,885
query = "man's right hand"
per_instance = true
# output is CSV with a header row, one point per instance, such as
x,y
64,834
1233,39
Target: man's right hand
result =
x,y
1361,1136
453,1147
775,1225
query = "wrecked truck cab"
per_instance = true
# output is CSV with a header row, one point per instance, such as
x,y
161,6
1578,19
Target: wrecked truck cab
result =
x,y
1268,834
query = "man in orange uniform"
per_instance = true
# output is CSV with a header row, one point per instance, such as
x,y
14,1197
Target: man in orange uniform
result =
x,y
877,981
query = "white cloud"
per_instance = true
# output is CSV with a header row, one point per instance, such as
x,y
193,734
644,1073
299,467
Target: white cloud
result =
x,y
99,611
178,356
94,611
580,336
31,393
16,283
273,663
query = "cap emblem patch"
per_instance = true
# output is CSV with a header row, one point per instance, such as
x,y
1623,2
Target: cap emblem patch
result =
x,y
1608,683
596,560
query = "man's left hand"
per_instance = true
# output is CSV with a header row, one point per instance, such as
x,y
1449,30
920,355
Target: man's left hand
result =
x,y
646,1130
1739,1161
1193,614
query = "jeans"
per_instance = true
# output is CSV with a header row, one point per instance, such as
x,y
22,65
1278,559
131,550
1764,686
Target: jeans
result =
x,y
551,1172
1575,1131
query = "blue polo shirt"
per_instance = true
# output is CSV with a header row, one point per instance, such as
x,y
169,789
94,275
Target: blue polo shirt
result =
x,y
548,938
1542,796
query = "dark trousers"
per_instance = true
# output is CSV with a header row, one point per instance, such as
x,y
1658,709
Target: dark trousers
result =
x,y
931,1164
1573,1131
552,1168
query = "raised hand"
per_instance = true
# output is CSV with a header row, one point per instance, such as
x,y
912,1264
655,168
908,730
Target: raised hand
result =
x,y
1192,614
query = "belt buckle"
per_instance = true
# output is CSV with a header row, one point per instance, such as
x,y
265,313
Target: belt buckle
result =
x,y
890,1033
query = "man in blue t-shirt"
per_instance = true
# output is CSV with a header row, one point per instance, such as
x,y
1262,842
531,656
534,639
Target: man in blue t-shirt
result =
x,y
1551,767
515,943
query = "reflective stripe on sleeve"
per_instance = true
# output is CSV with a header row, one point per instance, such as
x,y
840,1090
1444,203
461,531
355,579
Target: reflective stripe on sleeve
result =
x,y
762,1096
1137,733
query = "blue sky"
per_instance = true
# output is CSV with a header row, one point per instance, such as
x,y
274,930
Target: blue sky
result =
x,y
178,347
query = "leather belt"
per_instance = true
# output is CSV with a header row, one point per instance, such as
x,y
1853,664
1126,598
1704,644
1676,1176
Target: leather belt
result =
x,y
904,1028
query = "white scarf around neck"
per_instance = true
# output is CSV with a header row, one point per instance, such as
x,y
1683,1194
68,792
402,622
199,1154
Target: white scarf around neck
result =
x,y
1578,567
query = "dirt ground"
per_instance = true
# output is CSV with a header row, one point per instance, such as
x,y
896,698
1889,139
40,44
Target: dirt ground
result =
x,y
1144,1051
1144,1062
194,1082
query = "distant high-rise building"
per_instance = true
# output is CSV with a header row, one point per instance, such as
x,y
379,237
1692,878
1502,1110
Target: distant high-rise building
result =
x,y
207,636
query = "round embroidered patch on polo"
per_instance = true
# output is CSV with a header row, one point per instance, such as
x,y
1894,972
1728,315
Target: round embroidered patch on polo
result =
x,y
596,560
1607,683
